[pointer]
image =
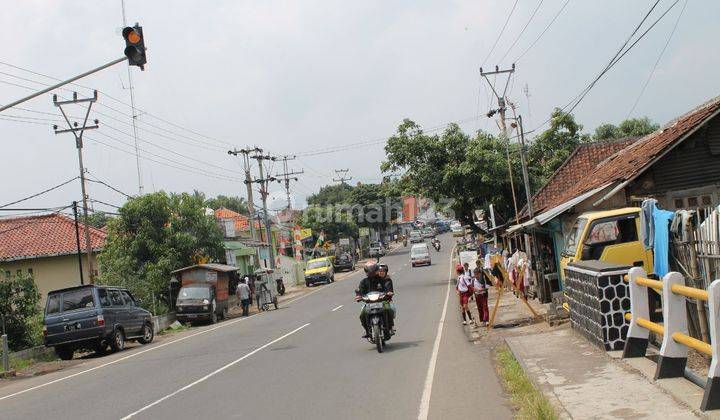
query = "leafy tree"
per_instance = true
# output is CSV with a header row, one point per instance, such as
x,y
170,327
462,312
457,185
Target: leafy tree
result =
x,y
98,219
154,235
331,194
374,205
335,221
236,204
553,146
19,300
629,127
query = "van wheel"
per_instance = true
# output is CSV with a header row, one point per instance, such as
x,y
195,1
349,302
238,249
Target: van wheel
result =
x,y
64,353
147,334
117,340
101,348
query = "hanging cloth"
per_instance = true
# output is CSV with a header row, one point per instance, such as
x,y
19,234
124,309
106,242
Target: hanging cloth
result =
x,y
647,232
661,239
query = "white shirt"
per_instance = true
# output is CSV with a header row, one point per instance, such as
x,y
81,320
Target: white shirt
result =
x,y
478,285
243,291
463,282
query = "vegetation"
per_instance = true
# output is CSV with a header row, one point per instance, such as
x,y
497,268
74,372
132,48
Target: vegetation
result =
x,y
630,127
530,403
98,219
19,300
236,204
153,235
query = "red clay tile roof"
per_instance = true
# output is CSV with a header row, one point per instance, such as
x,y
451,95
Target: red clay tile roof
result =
x,y
581,162
43,236
241,221
637,157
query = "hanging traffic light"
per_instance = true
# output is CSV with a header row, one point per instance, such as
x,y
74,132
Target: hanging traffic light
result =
x,y
135,46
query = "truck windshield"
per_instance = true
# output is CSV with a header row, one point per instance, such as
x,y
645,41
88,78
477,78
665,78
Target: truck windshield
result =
x,y
316,264
194,293
573,238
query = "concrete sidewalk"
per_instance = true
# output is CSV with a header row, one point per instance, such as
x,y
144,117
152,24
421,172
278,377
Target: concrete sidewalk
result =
x,y
582,381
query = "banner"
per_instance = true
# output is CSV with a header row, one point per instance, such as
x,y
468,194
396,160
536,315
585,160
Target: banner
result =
x,y
305,233
469,257
410,208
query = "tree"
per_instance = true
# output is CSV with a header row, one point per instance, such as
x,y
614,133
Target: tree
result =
x,y
154,235
335,221
331,194
98,219
373,205
553,146
630,127
19,299
236,204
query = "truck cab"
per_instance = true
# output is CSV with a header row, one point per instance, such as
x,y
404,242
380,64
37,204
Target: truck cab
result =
x,y
611,236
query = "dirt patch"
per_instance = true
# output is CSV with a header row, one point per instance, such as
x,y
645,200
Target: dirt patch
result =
x,y
698,362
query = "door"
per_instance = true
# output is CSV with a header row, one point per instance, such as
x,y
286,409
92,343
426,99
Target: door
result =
x,y
134,321
118,311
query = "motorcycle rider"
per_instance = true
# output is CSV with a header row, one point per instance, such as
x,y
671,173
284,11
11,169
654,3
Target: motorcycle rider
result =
x,y
376,280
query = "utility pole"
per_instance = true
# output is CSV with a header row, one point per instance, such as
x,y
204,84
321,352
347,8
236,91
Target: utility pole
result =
x,y
342,176
503,128
78,134
264,194
248,183
286,177
77,242
133,112
523,163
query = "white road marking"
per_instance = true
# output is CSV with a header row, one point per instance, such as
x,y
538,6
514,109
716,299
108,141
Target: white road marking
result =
x,y
213,373
427,390
340,306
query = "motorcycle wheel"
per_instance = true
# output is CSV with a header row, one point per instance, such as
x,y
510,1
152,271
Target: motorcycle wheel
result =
x,y
377,337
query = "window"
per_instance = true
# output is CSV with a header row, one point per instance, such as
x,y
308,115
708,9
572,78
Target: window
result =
x,y
104,298
53,304
78,299
128,299
571,241
30,272
602,232
115,297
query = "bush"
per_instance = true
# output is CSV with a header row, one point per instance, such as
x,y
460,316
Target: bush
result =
x,y
19,300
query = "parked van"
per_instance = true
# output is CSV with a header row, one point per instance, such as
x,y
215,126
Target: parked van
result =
x,y
92,317
420,255
611,236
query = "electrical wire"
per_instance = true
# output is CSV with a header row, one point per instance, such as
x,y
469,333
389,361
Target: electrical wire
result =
x,y
522,31
500,34
543,32
662,52
40,193
108,185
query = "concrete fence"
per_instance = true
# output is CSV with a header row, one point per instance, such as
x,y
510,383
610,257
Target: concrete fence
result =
x,y
674,330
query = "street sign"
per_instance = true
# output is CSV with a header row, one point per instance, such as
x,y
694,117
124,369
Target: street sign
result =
x,y
344,241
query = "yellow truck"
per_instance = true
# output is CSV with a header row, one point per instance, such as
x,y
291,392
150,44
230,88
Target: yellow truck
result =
x,y
612,236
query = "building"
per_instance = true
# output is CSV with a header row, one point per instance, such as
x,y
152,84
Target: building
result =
x,y
45,247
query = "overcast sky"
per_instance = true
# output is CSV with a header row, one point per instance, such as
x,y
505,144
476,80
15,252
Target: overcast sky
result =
x,y
302,76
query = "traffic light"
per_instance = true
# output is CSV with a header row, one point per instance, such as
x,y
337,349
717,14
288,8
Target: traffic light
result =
x,y
135,46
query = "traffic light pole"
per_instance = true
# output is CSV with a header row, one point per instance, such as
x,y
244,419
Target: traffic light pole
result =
x,y
63,83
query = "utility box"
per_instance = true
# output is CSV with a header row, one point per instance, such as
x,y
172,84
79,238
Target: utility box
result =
x,y
599,298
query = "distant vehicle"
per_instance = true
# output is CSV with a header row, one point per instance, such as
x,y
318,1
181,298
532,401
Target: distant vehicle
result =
x,y
345,261
376,250
319,270
420,255
200,302
428,232
457,230
94,317
415,236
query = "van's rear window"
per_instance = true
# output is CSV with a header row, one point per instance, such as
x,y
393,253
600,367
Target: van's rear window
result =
x,y
53,304
78,299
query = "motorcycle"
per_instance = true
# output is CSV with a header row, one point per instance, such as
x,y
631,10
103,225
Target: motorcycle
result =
x,y
377,319
280,286
436,244
404,242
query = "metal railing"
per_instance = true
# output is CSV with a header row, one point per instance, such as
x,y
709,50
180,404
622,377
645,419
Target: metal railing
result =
x,y
674,330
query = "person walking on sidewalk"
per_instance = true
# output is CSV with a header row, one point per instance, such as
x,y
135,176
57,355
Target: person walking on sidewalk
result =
x,y
480,288
464,290
243,293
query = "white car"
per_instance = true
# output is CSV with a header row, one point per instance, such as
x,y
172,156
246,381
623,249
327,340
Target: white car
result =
x,y
420,255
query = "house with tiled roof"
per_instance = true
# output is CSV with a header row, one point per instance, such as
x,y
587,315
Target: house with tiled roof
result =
x,y
678,165
46,247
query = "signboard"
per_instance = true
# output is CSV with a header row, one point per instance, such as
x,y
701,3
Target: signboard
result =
x,y
344,241
210,276
230,257
469,257
410,209
305,233
364,231
264,253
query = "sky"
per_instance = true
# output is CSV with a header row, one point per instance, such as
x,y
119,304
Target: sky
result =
x,y
297,78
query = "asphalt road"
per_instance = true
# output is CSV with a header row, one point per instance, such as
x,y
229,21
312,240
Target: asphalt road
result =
x,y
304,361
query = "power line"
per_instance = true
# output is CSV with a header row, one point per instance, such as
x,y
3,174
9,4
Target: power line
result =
x,y
522,31
97,181
543,32
40,193
500,34
662,52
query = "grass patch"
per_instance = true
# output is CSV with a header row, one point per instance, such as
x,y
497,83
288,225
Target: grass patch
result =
x,y
22,364
530,403
182,327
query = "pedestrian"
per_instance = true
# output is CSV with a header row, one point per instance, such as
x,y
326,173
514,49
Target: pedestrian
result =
x,y
466,270
480,288
464,290
243,293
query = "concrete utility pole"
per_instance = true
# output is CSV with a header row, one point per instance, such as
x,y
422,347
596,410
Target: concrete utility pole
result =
x,y
264,194
523,162
248,183
286,176
503,128
78,134
342,176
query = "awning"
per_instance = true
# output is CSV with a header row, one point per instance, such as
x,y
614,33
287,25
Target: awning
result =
x,y
545,217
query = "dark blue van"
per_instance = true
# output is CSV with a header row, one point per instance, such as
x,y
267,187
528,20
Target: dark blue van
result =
x,y
94,317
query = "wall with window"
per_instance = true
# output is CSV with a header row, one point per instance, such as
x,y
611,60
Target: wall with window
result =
x,y
50,273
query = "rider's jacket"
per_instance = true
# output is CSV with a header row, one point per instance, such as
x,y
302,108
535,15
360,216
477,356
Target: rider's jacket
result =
x,y
369,284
